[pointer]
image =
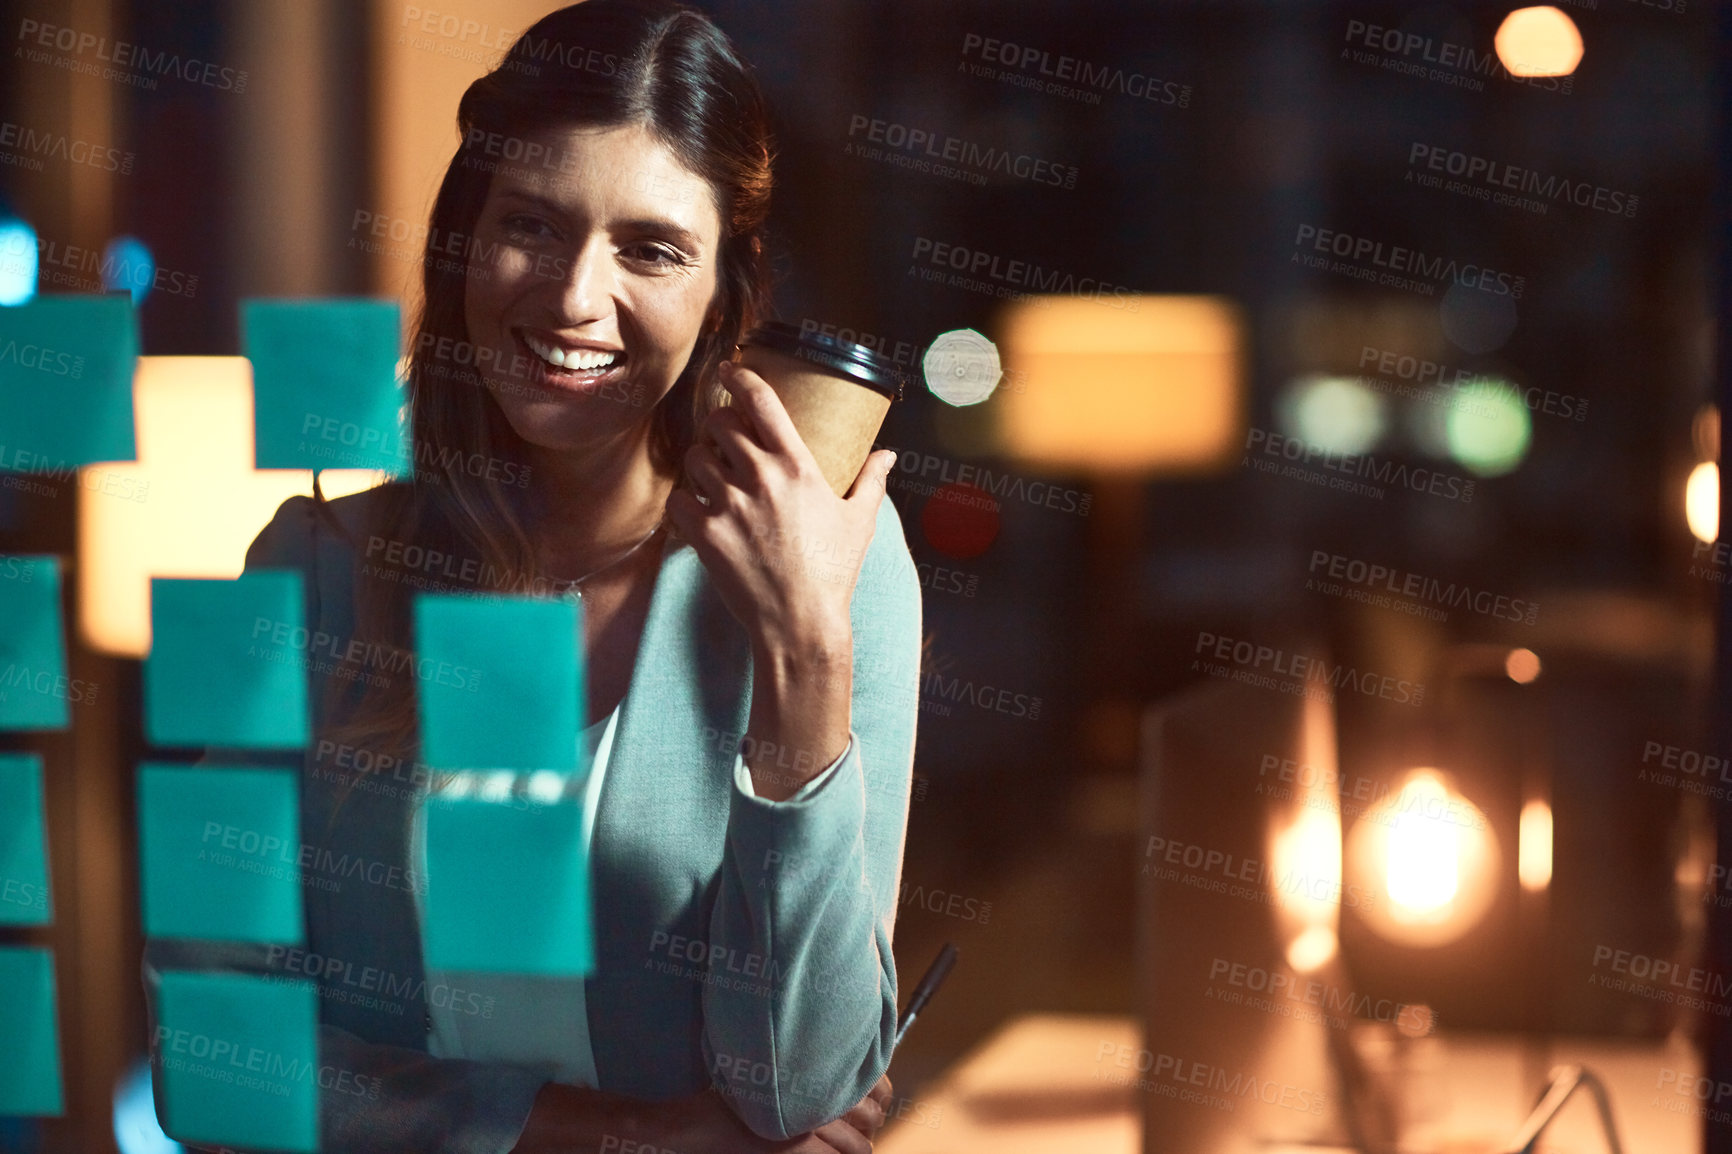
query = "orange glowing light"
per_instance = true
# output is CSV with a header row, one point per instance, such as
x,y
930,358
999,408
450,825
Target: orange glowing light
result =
x,y
1430,853
198,502
1702,502
1539,41
1534,849
1522,665
1155,385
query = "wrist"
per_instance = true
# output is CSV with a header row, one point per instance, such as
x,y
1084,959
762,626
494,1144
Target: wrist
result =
x,y
814,647
802,674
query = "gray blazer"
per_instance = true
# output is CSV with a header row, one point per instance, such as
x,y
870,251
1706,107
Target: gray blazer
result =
x,y
740,942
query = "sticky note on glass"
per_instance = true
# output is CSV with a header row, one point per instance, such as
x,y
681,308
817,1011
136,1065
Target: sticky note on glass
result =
x,y
35,692
240,1060
219,850
507,888
24,894
501,684
325,389
227,663
66,365
29,1033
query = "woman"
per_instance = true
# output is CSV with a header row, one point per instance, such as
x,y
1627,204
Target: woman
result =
x,y
608,202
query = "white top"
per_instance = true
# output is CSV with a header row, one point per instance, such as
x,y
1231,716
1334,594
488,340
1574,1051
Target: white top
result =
x,y
532,1019
527,1019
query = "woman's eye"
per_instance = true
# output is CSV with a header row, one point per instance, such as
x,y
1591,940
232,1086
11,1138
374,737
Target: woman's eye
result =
x,y
656,254
519,224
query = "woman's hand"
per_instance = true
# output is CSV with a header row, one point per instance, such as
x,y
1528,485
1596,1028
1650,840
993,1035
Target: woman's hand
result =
x,y
783,550
567,1119
711,1127
862,1121
784,553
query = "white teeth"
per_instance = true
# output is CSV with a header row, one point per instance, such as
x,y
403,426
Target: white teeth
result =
x,y
576,359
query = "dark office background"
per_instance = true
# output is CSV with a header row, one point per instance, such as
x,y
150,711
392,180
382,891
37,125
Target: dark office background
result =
x,y
1034,820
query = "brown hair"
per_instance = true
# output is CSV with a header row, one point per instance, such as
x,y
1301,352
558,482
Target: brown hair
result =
x,y
602,63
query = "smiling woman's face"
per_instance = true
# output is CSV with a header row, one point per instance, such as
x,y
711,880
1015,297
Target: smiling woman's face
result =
x,y
590,280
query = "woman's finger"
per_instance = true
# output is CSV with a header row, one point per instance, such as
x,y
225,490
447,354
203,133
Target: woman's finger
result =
x,y
705,468
866,1116
844,1137
726,429
764,411
872,483
689,515
881,1092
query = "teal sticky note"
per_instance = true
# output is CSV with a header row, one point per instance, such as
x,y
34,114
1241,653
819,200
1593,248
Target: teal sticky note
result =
x,y
325,388
228,662
501,683
29,1033
25,898
66,365
240,1060
507,888
35,692
219,851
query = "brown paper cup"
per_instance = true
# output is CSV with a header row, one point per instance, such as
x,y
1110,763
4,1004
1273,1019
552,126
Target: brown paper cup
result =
x,y
838,418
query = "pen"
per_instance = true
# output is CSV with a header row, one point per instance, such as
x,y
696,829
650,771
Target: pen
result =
x,y
929,983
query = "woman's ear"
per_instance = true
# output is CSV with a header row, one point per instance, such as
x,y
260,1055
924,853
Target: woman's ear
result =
x,y
713,319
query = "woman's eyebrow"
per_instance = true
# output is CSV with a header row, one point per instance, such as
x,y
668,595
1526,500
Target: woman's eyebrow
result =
x,y
678,234
552,208
661,226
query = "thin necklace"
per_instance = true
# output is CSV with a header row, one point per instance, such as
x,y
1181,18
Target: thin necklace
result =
x,y
570,588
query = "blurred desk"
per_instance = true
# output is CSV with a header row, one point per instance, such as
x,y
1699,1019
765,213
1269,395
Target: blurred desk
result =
x,y
1470,1092
1029,1089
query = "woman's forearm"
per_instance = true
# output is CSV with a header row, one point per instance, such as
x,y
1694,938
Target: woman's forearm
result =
x,y
571,1120
801,689
574,1120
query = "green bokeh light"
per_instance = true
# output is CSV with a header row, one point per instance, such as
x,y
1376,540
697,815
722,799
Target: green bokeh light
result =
x,y
1487,427
1337,414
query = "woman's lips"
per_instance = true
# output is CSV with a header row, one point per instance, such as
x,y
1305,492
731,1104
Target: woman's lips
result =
x,y
544,373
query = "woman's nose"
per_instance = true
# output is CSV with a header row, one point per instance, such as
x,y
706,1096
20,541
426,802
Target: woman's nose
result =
x,y
587,283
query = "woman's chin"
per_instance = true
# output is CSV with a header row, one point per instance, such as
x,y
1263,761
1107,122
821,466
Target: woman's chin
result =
x,y
563,424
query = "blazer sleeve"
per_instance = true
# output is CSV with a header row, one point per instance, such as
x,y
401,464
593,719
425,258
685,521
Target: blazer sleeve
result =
x,y
810,884
398,1099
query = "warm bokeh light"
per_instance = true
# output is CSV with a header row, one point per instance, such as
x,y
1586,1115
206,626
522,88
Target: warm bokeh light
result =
x,y
1522,666
1539,41
202,501
1415,1021
1424,871
1702,501
1308,853
1305,848
1534,849
1429,851
1312,950
1155,385
1705,432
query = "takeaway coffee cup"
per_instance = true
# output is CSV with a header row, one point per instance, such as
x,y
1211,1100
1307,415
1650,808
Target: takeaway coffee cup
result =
x,y
836,392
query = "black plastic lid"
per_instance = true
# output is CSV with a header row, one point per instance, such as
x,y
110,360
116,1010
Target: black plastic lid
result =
x,y
857,362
